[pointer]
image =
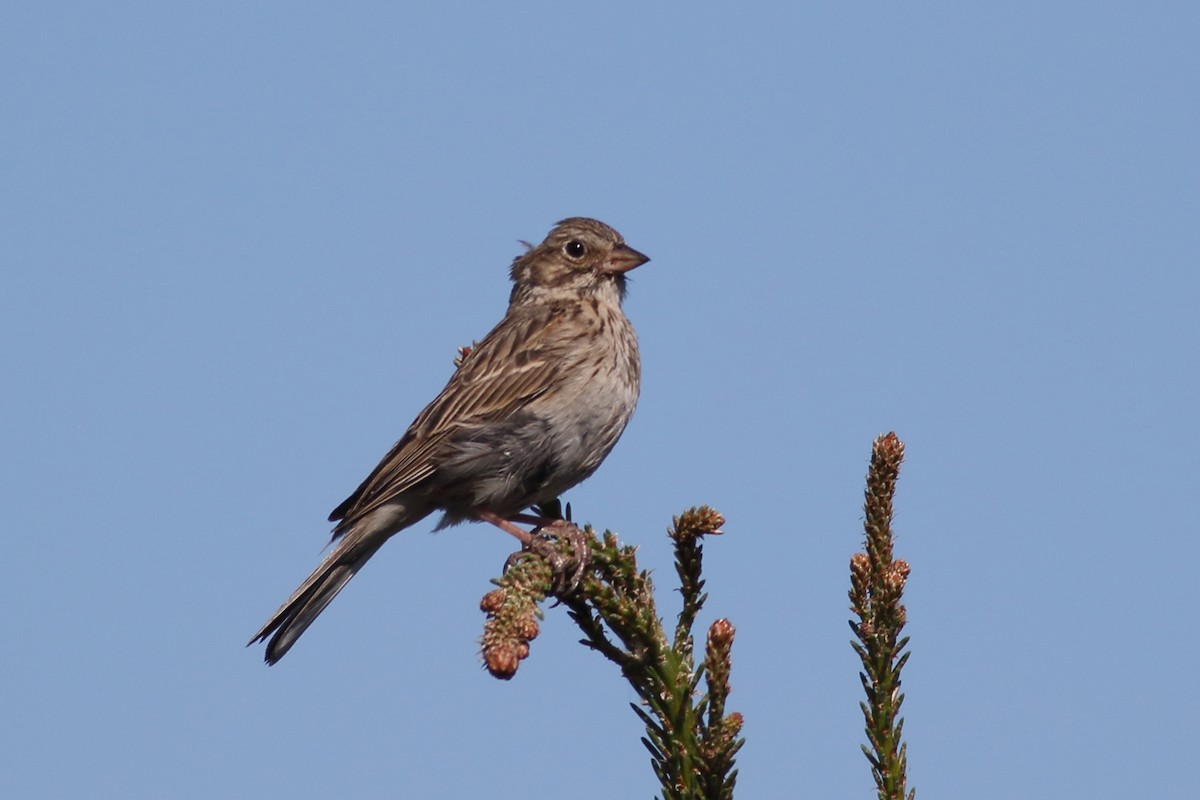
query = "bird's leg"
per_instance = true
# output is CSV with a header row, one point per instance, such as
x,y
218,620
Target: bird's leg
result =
x,y
525,537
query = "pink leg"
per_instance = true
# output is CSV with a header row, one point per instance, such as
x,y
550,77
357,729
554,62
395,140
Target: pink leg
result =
x,y
524,536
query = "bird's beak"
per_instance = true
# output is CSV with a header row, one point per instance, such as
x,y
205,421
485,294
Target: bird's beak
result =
x,y
623,259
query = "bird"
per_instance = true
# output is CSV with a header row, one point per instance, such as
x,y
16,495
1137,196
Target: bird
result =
x,y
531,411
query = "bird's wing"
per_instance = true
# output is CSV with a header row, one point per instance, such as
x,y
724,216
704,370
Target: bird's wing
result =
x,y
518,361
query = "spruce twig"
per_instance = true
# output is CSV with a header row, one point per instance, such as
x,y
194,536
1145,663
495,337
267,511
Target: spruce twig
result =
x,y
876,586
692,741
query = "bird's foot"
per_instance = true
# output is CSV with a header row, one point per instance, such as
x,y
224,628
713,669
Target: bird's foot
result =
x,y
567,570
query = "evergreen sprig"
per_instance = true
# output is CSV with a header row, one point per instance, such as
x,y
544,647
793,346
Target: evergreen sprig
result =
x,y
692,740
876,587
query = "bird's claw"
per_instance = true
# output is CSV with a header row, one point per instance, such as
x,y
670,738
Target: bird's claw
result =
x,y
567,570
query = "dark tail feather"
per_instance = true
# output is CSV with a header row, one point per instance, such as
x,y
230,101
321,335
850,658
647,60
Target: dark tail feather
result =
x,y
307,602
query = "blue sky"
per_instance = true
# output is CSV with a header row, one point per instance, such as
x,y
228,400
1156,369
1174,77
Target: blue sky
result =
x,y
241,243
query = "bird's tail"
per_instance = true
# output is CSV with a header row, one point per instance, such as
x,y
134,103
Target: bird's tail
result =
x,y
308,601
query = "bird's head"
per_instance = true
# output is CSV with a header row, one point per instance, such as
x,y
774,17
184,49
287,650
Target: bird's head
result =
x,y
579,256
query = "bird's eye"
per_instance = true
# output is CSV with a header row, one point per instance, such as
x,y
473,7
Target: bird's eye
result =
x,y
574,249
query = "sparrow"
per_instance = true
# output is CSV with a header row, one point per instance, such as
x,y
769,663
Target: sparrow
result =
x,y
532,410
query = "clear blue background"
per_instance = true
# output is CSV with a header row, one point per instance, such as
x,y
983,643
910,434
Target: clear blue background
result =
x,y
241,242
